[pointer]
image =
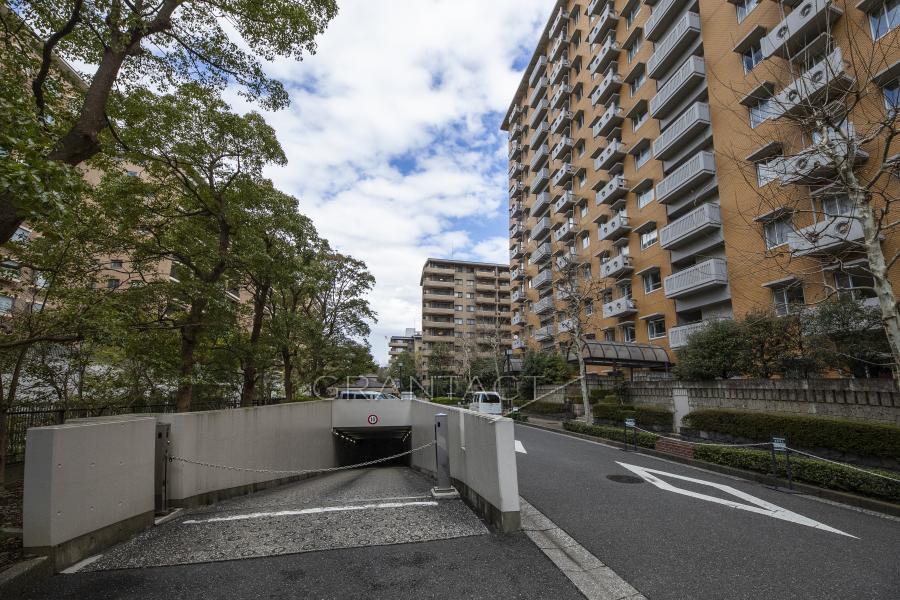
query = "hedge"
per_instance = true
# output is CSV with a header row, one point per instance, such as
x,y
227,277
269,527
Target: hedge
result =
x,y
646,416
801,431
446,400
545,408
807,470
646,440
517,416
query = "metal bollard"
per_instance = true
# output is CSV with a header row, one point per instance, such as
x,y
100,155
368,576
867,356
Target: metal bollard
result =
x,y
443,489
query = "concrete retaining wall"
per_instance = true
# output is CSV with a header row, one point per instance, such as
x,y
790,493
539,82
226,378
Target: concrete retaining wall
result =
x,y
87,485
482,459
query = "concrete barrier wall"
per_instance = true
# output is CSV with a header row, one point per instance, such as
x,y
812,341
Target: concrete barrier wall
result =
x,y
482,459
282,437
87,485
355,413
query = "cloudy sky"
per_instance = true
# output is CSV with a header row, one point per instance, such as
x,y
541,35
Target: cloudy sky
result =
x,y
393,136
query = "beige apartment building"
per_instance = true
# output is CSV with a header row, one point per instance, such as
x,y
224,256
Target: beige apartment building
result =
x,y
651,141
410,341
466,305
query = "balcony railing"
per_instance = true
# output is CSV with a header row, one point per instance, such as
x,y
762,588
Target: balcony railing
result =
x,y
515,168
544,305
517,319
540,156
564,202
561,96
616,266
560,43
540,204
595,6
831,235
564,260
564,231
612,83
685,79
614,228
680,336
609,121
560,19
541,228
615,189
515,149
564,145
515,231
561,121
710,273
517,250
805,22
619,308
560,70
540,132
667,51
515,209
518,295
607,53
817,164
518,344
699,221
542,279
544,333
538,69
540,180
613,153
541,254
516,187
663,14
517,273
681,132
700,168
606,22
563,174
540,88
802,94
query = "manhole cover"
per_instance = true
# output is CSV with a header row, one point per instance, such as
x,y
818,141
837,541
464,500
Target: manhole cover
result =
x,y
625,479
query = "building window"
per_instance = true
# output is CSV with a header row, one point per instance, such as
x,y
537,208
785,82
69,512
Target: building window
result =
x,y
470,309
856,285
112,284
766,171
652,281
609,335
656,328
459,294
458,308
638,119
470,321
585,241
648,238
760,112
583,210
776,231
458,321
22,234
892,95
744,8
645,197
115,264
589,308
638,82
631,15
788,299
751,57
884,18
837,206
628,333
6,304
641,158
634,47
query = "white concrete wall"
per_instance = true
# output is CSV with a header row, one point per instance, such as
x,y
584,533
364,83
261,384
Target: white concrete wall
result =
x,y
83,476
481,447
354,414
281,437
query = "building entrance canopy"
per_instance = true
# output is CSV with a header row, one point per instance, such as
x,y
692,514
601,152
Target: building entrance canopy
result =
x,y
623,354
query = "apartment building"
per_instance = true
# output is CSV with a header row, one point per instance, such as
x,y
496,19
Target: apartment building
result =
x,y
465,304
648,141
410,341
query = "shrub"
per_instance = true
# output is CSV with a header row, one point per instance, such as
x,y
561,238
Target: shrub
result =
x,y
658,417
545,408
517,416
646,440
803,469
446,400
854,437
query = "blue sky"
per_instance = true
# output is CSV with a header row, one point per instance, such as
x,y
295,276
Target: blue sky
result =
x,y
393,136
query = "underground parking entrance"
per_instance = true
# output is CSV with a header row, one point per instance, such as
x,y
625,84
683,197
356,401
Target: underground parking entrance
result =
x,y
356,446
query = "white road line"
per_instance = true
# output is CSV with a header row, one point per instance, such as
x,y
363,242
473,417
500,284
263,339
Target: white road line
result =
x,y
308,511
757,505
82,564
520,447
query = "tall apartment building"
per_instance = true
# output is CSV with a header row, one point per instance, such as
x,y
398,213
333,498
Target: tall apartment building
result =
x,y
410,341
465,304
644,137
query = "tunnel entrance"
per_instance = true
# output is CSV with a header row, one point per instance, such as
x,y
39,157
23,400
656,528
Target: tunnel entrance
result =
x,y
362,445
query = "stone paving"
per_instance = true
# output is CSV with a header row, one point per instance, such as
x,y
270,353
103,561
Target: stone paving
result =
x,y
366,507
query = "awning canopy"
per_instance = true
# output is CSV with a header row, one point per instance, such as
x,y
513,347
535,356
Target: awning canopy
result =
x,y
623,354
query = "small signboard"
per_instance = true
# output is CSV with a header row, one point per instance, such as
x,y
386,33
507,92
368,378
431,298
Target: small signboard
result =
x,y
779,444
629,423
373,419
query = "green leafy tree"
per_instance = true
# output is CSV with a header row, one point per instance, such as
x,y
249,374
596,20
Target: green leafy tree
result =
x,y
442,368
771,343
405,370
850,335
719,350
542,368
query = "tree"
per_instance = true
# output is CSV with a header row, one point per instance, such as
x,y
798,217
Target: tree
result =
x,y
441,368
405,370
719,350
822,166
164,44
849,335
543,368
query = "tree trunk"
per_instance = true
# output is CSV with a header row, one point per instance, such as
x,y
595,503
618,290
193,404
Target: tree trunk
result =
x,y
288,367
190,334
582,370
4,432
251,371
5,404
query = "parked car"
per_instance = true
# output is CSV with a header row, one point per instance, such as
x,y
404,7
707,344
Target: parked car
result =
x,y
364,395
489,403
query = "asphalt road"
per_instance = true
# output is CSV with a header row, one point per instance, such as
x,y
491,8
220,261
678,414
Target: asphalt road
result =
x,y
672,545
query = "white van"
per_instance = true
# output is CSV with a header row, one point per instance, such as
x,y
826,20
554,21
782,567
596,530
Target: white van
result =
x,y
489,403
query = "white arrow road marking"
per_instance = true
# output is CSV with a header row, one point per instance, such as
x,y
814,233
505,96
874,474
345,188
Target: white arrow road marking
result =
x,y
308,511
520,447
756,505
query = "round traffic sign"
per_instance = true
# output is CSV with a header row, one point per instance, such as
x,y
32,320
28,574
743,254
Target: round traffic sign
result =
x,y
373,419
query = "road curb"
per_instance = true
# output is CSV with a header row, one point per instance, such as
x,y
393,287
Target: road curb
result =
x,y
847,498
14,579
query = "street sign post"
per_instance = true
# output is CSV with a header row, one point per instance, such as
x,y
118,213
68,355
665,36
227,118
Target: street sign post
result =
x,y
779,444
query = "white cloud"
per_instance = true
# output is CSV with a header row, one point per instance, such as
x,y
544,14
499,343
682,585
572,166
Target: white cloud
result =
x,y
421,81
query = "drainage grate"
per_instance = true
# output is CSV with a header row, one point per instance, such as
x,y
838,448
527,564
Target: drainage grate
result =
x,y
625,479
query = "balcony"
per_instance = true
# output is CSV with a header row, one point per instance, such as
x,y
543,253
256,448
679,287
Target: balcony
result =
x,y
541,254
517,319
702,276
605,23
540,180
698,169
517,273
540,155
683,82
595,6
516,187
515,209
538,113
537,94
518,295
515,149
539,67
561,96
544,333
663,15
805,22
829,236
619,308
611,84
562,120
607,53
538,135
615,189
542,279
515,168
541,228
540,204
544,305
559,45
614,228
565,201
559,20
560,70
700,221
515,113
667,51
817,164
617,266
681,132
515,231
514,130
565,231
517,251
564,145
679,336
563,174
811,85
612,154
564,260
609,121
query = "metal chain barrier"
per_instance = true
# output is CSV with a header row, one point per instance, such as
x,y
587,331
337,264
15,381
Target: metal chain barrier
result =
x,y
298,471
873,474
703,443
